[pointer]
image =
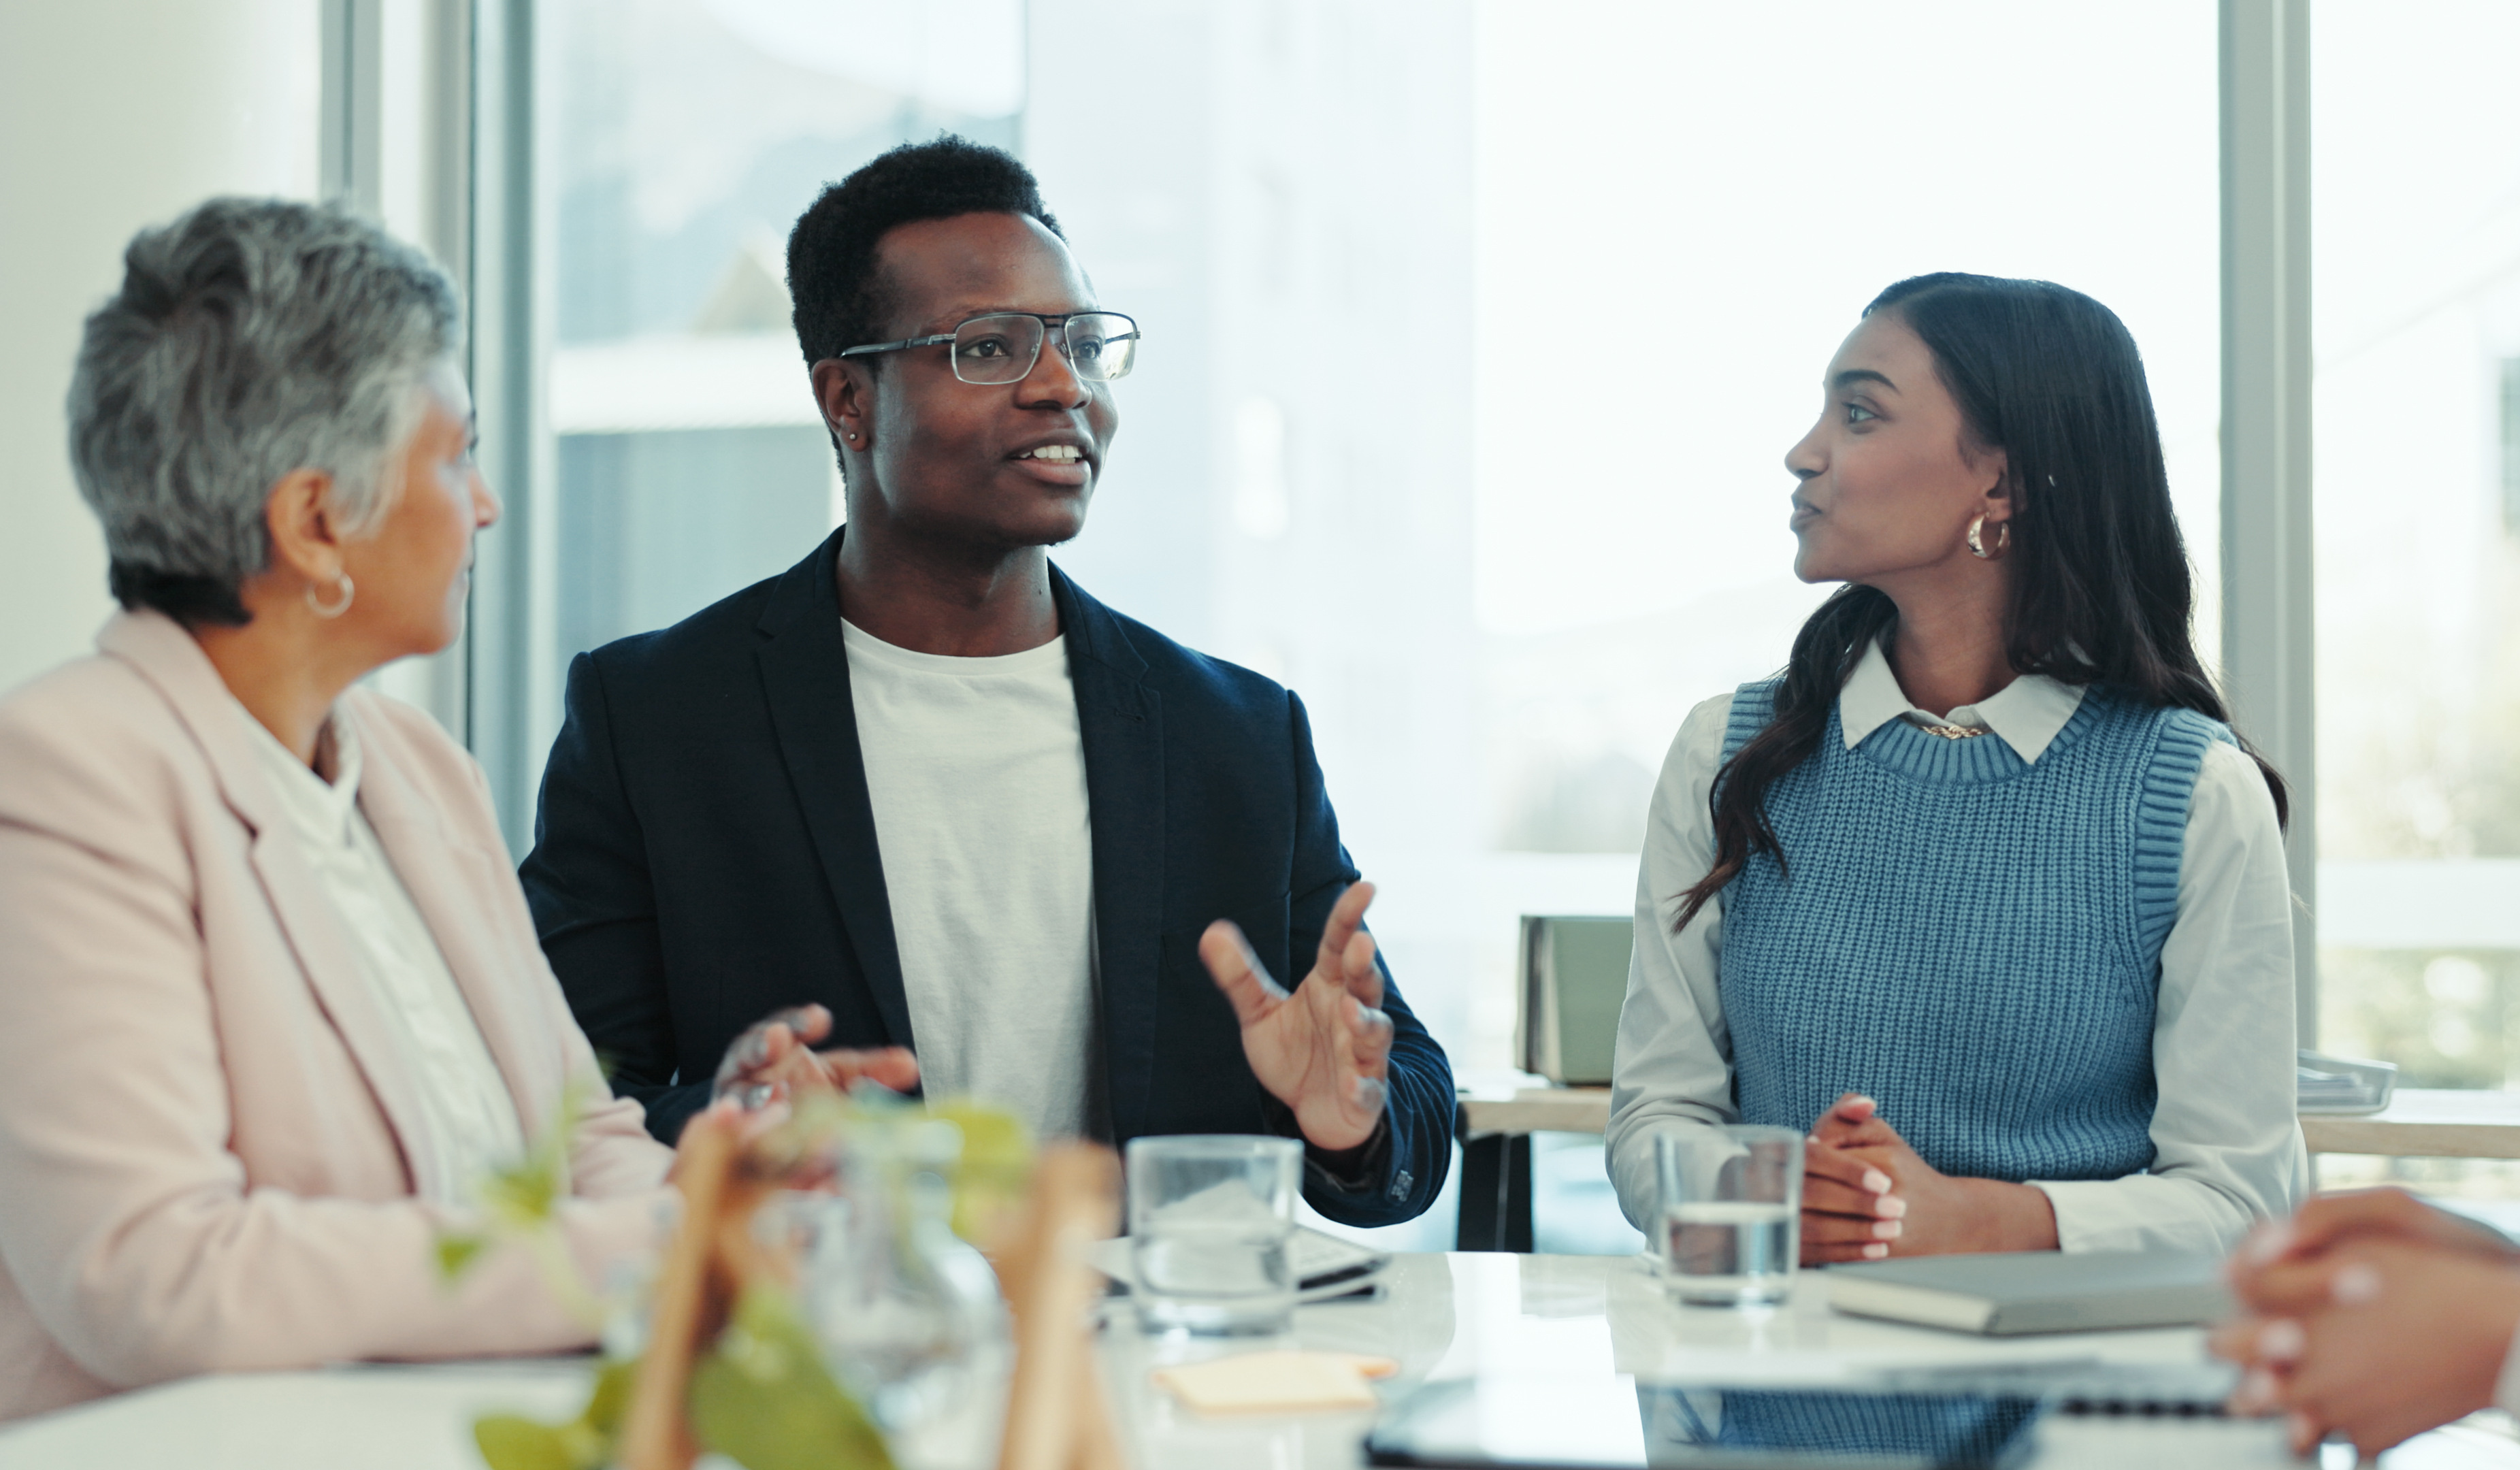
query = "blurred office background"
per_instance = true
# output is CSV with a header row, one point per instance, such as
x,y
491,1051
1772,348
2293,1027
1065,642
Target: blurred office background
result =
x,y
1475,336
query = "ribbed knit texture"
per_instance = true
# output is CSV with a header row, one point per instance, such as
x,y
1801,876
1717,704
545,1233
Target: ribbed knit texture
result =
x,y
1969,938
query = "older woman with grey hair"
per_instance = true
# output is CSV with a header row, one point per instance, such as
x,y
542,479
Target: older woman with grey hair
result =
x,y
271,1005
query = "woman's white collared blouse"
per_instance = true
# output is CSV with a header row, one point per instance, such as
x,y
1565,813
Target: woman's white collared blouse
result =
x,y
470,1117
2227,1142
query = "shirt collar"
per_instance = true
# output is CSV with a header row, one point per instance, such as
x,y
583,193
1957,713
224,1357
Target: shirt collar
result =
x,y
319,808
2025,714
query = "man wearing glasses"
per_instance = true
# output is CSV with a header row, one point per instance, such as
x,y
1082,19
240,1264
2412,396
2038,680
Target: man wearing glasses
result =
x,y
926,793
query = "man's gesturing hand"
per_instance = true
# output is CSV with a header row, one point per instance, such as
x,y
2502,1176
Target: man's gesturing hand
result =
x,y
1325,1048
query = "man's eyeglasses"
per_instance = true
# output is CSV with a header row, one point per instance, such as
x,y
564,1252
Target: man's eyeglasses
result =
x,y
1003,346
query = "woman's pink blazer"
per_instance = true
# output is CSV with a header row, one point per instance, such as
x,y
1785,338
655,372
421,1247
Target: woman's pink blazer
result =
x,y
206,1139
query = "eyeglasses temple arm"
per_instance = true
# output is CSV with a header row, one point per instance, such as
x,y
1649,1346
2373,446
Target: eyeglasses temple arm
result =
x,y
916,341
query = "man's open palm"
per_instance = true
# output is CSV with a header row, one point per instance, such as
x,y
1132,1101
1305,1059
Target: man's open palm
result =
x,y
1324,1049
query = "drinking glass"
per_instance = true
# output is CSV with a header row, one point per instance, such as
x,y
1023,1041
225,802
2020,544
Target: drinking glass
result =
x,y
1732,1212
1209,1219
909,1315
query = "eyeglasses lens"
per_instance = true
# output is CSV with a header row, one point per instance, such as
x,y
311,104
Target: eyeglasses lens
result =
x,y
997,348
1099,346
1102,345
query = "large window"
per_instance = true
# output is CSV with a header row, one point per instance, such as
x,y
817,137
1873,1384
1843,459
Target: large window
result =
x,y
2416,246
1475,336
1392,440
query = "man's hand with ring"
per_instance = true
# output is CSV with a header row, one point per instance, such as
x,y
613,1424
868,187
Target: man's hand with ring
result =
x,y
774,1060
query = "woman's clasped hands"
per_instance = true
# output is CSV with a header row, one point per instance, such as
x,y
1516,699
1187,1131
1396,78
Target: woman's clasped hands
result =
x,y
2373,1315
1866,1194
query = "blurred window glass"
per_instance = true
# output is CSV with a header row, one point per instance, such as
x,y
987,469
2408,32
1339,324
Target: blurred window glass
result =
x,y
1740,180
1498,579
682,138
2416,196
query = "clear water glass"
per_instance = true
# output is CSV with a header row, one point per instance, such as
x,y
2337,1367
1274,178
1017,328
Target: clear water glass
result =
x,y
908,1314
1210,1220
1730,1229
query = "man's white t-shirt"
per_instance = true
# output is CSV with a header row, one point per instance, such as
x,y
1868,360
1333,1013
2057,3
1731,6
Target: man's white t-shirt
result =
x,y
976,770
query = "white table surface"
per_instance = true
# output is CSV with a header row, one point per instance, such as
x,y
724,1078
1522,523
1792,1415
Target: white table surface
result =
x,y
1442,1317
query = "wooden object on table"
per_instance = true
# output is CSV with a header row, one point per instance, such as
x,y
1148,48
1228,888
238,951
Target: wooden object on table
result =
x,y
1058,1415
2423,1123
657,1432
708,1263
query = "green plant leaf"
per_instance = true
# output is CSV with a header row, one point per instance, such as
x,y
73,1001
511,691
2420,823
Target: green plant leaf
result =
x,y
763,1399
457,1251
995,1168
527,1194
585,1443
511,1443
611,1404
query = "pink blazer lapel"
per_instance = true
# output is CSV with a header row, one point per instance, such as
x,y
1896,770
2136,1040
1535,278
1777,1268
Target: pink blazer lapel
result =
x,y
455,883
170,660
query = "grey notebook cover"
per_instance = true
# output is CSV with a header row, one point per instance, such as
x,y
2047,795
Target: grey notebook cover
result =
x,y
2036,1291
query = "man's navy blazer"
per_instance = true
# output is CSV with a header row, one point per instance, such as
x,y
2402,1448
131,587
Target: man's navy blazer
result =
x,y
704,854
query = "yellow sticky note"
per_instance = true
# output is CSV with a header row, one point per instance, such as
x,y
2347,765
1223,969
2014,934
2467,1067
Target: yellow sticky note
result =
x,y
1275,1383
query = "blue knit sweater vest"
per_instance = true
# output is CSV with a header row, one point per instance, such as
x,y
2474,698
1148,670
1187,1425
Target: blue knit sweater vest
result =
x,y
1969,938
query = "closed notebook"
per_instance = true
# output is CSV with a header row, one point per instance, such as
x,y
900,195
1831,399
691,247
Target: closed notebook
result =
x,y
2036,1291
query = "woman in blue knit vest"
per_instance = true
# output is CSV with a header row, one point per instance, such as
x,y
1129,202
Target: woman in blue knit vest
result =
x,y
1981,892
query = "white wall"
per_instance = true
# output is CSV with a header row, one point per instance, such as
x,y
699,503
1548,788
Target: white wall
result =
x,y
114,113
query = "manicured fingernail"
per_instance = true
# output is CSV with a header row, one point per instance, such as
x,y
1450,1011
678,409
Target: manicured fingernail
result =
x,y
1812,1139
2282,1340
1877,1181
2255,1394
1886,1230
2356,1285
1890,1207
2305,1431
1875,1252
2270,1242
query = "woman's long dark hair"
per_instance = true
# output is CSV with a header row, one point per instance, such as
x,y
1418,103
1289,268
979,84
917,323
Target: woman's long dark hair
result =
x,y
2100,590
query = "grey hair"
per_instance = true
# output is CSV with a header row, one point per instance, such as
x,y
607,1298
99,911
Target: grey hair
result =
x,y
250,339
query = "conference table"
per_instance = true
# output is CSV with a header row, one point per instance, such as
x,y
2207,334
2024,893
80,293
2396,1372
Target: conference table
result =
x,y
1529,1322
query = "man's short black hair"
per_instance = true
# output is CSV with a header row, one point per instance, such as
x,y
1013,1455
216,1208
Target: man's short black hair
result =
x,y
841,298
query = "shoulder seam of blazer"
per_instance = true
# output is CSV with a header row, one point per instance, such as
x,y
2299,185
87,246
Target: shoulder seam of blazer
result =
x,y
157,649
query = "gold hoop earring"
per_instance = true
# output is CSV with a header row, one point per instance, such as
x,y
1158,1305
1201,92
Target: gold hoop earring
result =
x,y
2002,539
349,590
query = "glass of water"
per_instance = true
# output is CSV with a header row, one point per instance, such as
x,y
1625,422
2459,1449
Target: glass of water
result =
x,y
1210,1216
1732,1212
